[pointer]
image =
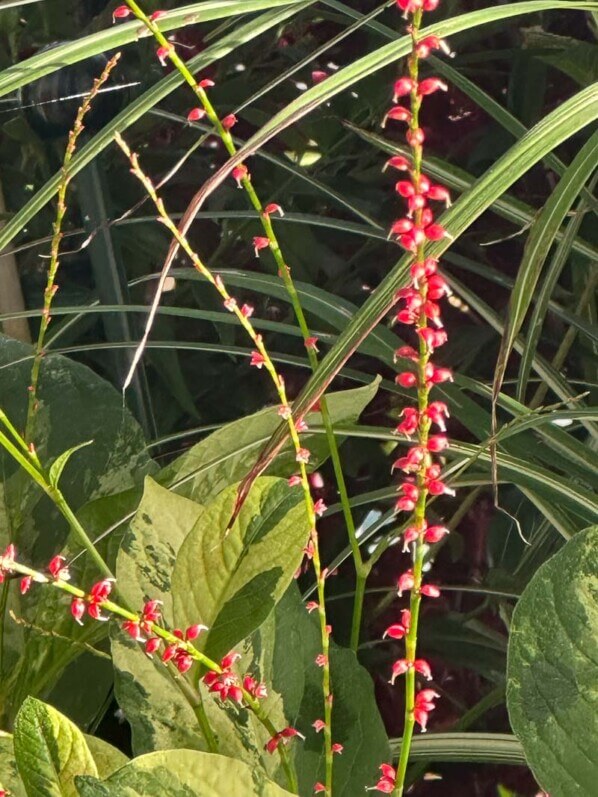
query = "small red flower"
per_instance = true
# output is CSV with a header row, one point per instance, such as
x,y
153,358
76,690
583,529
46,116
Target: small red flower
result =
x,y
57,569
311,343
318,75
386,784
206,83
320,507
163,52
402,87
133,629
260,242
194,631
121,12
434,534
257,359
273,208
239,173
158,15
78,609
321,660
229,121
337,748
152,645
312,606
303,455
430,591
405,582
25,584
319,787
397,162
195,114
318,725
430,85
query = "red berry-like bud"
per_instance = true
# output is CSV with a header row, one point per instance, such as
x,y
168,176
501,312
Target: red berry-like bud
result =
x,y
121,12
318,75
430,85
434,534
430,591
440,194
195,114
416,137
397,162
152,645
406,379
229,121
402,87
397,114
437,443
78,609
405,188
239,173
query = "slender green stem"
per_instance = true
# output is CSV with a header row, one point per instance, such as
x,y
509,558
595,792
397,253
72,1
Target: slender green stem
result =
x,y
283,270
51,286
16,568
262,359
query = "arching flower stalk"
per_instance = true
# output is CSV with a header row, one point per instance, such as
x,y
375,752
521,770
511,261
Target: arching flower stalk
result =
x,y
174,648
419,309
261,359
241,174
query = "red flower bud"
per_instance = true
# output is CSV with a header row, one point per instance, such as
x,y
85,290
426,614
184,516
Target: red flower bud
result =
x,y
402,87
430,591
406,379
397,114
152,645
121,12
260,242
195,114
416,137
229,121
397,162
434,534
430,85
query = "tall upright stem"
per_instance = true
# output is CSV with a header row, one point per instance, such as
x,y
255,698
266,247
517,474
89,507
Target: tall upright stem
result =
x,y
285,274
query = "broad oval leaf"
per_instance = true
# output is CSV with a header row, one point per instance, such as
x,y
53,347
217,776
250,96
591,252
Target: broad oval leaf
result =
x,y
287,645
232,581
173,773
9,774
227,454
552,671
50,751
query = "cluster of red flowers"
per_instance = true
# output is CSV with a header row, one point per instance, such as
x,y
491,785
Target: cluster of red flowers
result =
x,y
418,308
227,685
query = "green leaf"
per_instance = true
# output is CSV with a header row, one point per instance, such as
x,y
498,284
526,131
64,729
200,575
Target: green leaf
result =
x,y
9,774
74,405
59,463
231,581
158,714
107,758
288,644
178,773
552,672
136,109
541,238
72,52
486,748
226,455
570,117
578,59
50,751
364,67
